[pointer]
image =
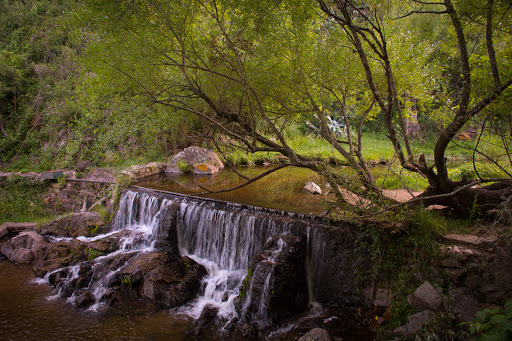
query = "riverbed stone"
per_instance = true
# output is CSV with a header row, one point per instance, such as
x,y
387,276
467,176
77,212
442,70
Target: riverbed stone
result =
x,y
316,334
312,188
201,161
426,297
205,326
22,248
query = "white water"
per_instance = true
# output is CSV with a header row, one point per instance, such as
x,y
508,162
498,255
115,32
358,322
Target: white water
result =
x,y
223,240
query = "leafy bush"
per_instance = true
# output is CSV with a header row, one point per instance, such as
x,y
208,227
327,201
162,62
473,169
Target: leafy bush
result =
x,y
493,324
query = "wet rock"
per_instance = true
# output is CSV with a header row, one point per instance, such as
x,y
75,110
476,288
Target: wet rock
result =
x,y
74,225
205,324
277,286
22,248
306,324
317,334
162,278
57,277
84,300
52,256
426,297
312,188
167,230
201,161
247,331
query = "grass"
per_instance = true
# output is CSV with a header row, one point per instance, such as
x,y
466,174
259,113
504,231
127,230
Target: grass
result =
x,y
23,201
376,148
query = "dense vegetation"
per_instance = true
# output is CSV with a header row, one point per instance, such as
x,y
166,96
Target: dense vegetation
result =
x,y
422,85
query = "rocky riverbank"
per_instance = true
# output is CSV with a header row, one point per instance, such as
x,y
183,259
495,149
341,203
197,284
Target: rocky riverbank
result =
x,y
462,275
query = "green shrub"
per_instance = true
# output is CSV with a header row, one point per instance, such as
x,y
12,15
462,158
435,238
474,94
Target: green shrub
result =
x,y
493,324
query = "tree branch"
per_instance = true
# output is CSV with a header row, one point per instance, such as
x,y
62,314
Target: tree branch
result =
x,y
262,175
440,196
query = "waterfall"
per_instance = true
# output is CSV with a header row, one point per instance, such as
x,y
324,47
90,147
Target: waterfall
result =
x,y
222,237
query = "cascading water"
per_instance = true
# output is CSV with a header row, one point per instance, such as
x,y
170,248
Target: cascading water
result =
x,y
220,236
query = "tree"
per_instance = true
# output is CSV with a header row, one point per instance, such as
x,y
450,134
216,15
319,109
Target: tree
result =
x,y
244,67
251,68
364,24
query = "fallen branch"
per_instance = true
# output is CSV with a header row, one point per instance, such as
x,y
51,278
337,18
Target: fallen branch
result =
x,y
98,202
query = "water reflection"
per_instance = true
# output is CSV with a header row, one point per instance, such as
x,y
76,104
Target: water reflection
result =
x,y
281,190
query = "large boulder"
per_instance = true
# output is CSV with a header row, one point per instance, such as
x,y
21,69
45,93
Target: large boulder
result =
x,y
22,248
200,161
162,278
74,225
52,256
276,286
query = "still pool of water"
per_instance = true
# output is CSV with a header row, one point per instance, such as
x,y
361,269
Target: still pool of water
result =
x,y
27,313
282,190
